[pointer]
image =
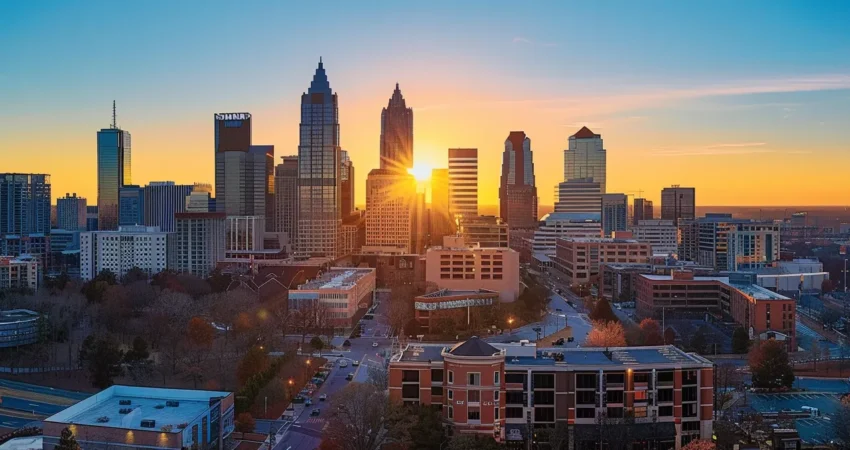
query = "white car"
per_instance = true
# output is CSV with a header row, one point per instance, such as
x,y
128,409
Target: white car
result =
x,y
355,363
374,344
323,397
343,363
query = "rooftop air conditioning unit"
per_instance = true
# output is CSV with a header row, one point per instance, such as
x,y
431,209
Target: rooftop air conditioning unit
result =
x,y
148,423
172,403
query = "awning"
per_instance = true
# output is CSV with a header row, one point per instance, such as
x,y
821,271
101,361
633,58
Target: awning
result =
x,y
515,432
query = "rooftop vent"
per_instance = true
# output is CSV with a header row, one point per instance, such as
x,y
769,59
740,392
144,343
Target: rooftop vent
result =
x,y
172,403
124,402
125,410
148,423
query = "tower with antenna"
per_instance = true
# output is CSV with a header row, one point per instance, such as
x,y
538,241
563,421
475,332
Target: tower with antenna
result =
x,y
114,117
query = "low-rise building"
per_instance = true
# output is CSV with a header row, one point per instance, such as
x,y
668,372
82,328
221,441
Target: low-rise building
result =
x,y
764,313
554,226
131,417
458,265
457,306
119,251
487,231
579,259
345,292
19,327
508,391
19,272
661,234
618,280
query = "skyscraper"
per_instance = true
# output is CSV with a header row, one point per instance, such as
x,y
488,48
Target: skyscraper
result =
x,y
199,199
24,204
113,172
678,203
440,221
615,212
346,176
200,241
131,205
585,158
390,206
397,134
319,202
286,197
517,191
463,182
71,213
642,210
163,199
579,195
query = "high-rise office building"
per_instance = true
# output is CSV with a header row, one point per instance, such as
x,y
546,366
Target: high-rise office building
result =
x,y
585,158
642,210
24,204
118,251
441,223
487,231
200,199
678,203
517,190
463,182
752,246
91,218
390,206
319,202
131,205
286,197
71,213
397,134
200,241
346,184
244,234
615,213
163,199
113,172
579,195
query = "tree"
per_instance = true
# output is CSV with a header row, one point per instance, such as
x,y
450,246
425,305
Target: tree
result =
x,y
94,288
815,352
651,331
138,352
698,342
841,420
254,362
699,444
740,340
401,308
427,432
770,366
473,442
67,441
378,376
200,335
245,423
102,358
669,336
219,281
606,334
133,275
827,286
317,343
364,418
829,317
602,312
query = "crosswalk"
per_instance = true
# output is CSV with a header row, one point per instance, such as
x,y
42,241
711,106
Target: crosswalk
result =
x,y
314,420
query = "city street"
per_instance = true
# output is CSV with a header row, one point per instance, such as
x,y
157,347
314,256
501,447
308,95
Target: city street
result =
x,y
558,311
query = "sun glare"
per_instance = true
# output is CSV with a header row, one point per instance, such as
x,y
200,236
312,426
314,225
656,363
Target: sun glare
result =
x,y
421,172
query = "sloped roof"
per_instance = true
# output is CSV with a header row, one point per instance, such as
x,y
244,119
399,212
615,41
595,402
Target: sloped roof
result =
x,y
474,347
584,133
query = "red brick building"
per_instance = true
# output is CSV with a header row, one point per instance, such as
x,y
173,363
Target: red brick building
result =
x,y
651,397
459,306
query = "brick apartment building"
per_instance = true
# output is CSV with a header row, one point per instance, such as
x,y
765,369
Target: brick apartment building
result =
x,y
579,259
764,313
651,397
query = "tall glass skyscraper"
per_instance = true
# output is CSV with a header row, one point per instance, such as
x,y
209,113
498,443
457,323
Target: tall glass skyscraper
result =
x,y
517,190
397,134
319,202
113,172
585,158
131,205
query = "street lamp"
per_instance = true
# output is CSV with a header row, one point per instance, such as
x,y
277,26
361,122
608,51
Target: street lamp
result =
x,y
291,384
306,369
511,324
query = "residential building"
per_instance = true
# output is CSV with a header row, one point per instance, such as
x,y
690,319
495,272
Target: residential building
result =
x,y
615,213
71,212
579,195
390,206
737,296
557,225
397,134
64,254
458,309
618,281
441,222
18,273
642,210
244,234
463,182
91,218
113,172
163,199
678,203
707,241
752,246
509,391
286,197
131,205
147,248
517,189
487,231
580,259
200,241
585,158
393,271
35,245
157,418
346,183
319,214
24,203
346,293
792,277
662,235
200,199
458,265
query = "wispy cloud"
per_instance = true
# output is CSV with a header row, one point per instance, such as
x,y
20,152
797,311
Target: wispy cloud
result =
x,y
733,148
736,145
527,41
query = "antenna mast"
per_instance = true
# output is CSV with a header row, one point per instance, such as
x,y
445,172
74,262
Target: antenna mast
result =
x,y
114,118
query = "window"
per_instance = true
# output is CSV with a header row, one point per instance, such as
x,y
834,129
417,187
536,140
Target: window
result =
x,y
496,378
665,395
473,379
515,378
640,411
689,377
496,412
614,396
410,391
689,410
451,395
585,413
640,396
496,395
641,377
410,376
451,412
544,398
451,377
585,397
437,390
543,380
690,426
437,375
665,411
473,396
615,378
615,413
689,394
544,414
513,413
665,377
473,414
515,397
586,381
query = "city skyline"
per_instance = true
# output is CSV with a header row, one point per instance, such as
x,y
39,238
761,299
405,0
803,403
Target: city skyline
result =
x,y
686,95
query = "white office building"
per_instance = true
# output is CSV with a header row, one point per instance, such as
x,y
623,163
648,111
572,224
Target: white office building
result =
x,y
147,248
556,225
200,241
661,234
463,182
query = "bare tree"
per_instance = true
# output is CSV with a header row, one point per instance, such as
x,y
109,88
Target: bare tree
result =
x,y
364,419
379,376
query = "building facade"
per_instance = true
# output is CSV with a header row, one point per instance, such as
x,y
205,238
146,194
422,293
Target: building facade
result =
x,y
319,202
353,234
346,293
615,213
71,213
200,199
164,199
200,241
517,189
286,197
580,259
131,205
19,273
678,203
463,182
113,173
346,184
147,248
487,231
390,205
397,134
752,246
642,210
458,309
586,158
662,235
510,391
579,195
441,223
24,204
458,265
91,218
244,234
557,225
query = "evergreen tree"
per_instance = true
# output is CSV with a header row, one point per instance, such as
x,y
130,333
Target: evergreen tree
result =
x,y
740,340
67,441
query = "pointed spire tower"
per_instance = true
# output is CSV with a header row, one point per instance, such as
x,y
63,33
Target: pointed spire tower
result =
x,y
397,134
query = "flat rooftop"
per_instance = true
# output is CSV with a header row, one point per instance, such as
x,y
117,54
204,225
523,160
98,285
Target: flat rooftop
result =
x,y
104,408
601,240
17,315
337,278
451,292
753,290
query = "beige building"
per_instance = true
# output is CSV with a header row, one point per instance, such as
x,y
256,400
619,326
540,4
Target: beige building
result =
x,y
342,290
18,272
579,259
457,265
390,200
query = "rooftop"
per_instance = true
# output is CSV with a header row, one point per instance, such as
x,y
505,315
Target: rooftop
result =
x,y
572,217
474,347
23,443
104,408
337,278
753,290
585,133
452,292
17,315
601,241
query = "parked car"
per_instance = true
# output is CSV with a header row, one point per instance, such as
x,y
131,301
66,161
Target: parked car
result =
x,y
349,377
559,341
315,412
343,363
323,397
571,339
374,344
347,343
355,363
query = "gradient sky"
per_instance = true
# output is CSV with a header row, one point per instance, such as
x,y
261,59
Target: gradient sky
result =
x,y
749,102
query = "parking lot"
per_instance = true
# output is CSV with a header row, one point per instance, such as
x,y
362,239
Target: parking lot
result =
x,y
815,430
